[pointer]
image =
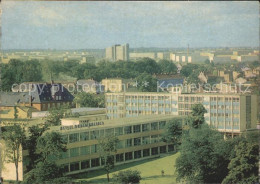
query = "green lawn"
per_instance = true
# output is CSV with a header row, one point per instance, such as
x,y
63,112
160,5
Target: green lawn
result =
x,y
150,171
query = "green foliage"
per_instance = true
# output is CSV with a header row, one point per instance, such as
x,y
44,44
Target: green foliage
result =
x,y
107,150
128,176
14,137
44,172
197,115
55,115
16,72
173,132
187,70
83,99
244,166
167,67
50,145
34,133
146,83
204,156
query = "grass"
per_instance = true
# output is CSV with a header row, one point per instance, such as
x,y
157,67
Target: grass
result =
x,y
150,171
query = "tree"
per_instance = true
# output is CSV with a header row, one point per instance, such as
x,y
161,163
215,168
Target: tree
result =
x,y
14,137
188,69
50,146
83,99
35,132
243,167
204,156
127,177
45,172
108,148
33,71
197,115
173,132
146,83
167,67
54,116
147,65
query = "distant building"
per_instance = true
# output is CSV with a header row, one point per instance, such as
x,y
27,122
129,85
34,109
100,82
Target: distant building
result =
x,y
41,96
136,56
160,55
118,52
113,85
227,75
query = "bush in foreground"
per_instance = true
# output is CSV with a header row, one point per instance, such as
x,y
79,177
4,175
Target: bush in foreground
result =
x,y
128,176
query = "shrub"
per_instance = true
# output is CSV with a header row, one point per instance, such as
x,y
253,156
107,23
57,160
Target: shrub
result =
x,y
128,176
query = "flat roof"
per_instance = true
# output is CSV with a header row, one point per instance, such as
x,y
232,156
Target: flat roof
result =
x,y
118,122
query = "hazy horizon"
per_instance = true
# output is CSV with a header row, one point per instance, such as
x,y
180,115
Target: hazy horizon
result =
x,y
97,25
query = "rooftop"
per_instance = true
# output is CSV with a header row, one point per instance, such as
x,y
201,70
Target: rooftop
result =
x,y
120,122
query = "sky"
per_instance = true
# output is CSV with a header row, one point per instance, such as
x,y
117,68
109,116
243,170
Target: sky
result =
x,y
100,24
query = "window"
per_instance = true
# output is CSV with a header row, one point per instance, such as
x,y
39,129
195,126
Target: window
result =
x,y
137,154
95,162
74,152
121,144
94,148
120,157
128,143
162,124
65,154
119,131
94,134
154,151
65,168
162,149
137,128
145,127
84,136
74,137
137,141
154,139
128,156
154,126
146,152
146,140
74,166
85,164
170,148
109,131
128,129
85,150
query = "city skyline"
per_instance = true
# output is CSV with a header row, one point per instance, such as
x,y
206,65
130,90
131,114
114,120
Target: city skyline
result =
x,y
97,25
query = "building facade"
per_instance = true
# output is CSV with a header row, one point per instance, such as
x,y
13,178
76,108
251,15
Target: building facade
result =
x,y
118,52
229,113
139,138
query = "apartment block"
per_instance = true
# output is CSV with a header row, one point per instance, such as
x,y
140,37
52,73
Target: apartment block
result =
x,y
230,113
118,52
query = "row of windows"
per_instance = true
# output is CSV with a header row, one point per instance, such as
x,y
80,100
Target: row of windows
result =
x,y
86,150
191,99
227,123
147,97
96,162
96,134
223,107
227,115
226,99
